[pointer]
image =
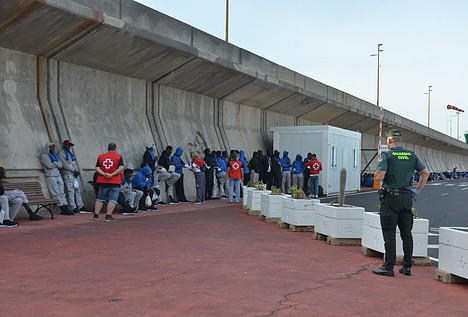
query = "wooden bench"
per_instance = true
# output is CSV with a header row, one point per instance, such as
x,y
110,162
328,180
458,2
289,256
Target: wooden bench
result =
x,y
33,190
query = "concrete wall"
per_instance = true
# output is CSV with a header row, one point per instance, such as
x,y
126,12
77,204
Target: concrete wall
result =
x,y
46,100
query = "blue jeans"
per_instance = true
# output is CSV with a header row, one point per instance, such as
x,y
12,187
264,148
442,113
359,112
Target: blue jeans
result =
x,y
108,193
314,184
234,182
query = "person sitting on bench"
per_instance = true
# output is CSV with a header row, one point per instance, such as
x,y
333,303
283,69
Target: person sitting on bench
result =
x,y
11,202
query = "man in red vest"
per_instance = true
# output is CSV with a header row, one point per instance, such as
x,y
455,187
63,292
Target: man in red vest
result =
x,y
109,167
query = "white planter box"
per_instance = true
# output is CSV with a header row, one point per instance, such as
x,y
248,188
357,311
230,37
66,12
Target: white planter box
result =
x,y
245,190
453,250
372,237
254,199
271,205
298,212
339,222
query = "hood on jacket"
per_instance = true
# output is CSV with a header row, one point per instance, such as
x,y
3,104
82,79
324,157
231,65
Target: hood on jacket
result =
x,y
298,157
285,153
47,146
146,170
241,155
179,151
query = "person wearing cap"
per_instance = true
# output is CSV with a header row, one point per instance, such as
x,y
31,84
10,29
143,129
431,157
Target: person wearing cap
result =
x,y
395,170
131,195
70,173
52,165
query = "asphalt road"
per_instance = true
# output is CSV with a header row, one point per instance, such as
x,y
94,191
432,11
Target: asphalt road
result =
x,y
444,203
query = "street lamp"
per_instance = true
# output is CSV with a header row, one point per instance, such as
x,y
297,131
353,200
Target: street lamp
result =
x,y
379,151
378,95
428,93
227,22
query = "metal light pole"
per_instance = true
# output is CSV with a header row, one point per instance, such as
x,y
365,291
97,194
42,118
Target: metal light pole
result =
x,y
379,151
378,97
226,37
428,93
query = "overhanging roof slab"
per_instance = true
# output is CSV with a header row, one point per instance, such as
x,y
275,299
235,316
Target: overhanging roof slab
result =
x,y
205,78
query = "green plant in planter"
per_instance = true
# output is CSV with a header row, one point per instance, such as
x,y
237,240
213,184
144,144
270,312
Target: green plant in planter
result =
x,y
297,193
276,191
259,185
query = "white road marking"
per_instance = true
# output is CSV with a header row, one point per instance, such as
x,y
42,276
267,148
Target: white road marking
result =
x,y
434,184
433,234
464,188
444,194
448,185
432,246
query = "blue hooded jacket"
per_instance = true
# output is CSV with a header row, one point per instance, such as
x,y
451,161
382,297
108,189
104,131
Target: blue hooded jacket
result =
x,y
244,161
285,162
221,162
141,179
298,165
179,164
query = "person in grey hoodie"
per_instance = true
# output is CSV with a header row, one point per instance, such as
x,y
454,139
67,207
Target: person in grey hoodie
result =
x,y
70,175
52,165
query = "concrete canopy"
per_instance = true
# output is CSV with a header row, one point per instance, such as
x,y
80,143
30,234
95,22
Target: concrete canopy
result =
x,y
127,38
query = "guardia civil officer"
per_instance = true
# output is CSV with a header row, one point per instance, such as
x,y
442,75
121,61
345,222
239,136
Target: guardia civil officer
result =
x,y
395,169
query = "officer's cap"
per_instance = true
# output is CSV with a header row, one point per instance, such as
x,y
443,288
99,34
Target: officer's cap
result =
x,y
394,132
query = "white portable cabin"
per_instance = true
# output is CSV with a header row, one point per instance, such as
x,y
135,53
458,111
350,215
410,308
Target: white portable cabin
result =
x,y
335,148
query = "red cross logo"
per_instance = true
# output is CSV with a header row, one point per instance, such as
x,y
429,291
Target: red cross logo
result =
x,y
108,163
235,166
316,166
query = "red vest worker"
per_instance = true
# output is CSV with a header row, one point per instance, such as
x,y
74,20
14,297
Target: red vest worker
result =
x,y
109,167
235,174
315,167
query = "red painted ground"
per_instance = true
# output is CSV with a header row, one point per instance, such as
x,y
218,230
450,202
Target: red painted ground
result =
x,y
201,260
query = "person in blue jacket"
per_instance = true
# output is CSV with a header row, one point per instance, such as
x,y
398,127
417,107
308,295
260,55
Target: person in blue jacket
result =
x,y
298,171
179,164
143,181
245,167
286,165
221,170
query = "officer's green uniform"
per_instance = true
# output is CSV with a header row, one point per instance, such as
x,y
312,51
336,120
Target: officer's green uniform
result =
x,y
396,201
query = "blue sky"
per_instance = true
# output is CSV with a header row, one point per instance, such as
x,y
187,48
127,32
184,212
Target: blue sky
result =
x,y
424,43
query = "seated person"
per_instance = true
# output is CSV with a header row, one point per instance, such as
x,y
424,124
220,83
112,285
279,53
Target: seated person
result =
x,y
11,202
142,181
132,196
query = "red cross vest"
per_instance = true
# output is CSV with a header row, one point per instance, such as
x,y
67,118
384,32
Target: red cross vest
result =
x,y
109,163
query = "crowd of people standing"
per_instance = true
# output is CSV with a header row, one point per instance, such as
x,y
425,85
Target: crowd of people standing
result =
x,y
218,175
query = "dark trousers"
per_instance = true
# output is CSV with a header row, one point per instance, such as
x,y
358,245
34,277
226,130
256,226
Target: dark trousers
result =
x,y
277,176
268,180
208,185
200,184
306,180
246,179
179,188
396,210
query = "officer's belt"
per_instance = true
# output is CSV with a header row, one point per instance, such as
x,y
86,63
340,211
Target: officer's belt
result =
x,y
398,191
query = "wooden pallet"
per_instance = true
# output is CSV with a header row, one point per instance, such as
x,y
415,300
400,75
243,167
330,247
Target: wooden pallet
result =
x,y
294,228
336,241
417,260
251,212
268,219
449,278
